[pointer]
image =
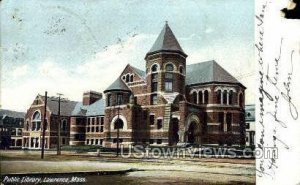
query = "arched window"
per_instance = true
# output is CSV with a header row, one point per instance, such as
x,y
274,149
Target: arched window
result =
x,y
169,67
127,78
225,97
230,97
200,97
194,97
241,100
124,77
118,124
36,116
181,69
131,78
219,94
36,121
206,97
154,68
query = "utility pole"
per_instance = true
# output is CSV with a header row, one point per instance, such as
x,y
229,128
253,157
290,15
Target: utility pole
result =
x,y
44,126
118,125
58,150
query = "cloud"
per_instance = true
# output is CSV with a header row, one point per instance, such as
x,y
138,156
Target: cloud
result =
x,y
20,71
96,73
209,30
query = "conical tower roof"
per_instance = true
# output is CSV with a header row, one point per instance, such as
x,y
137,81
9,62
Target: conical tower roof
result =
x,y
166,41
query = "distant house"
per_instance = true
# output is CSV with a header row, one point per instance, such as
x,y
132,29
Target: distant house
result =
x,y
11,124
250,124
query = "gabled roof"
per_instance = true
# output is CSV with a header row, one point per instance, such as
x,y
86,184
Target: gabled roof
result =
x,y
206,72
96,108
166,41
66,106
140,72
117,85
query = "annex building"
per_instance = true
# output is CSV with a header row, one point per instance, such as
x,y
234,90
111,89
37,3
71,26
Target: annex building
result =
x,y
168,103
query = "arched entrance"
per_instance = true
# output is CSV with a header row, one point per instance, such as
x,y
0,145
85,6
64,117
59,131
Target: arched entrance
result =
x,y
173,132
193,130
191,133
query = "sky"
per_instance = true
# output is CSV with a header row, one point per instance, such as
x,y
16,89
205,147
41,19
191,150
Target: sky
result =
x,y
74,46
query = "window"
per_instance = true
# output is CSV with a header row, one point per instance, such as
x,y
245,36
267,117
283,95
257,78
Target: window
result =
x,y
109,100
27,125
247,125
181,69
229,121
241,99
169,82
194,97
101,124
19,132
127,78
88,129
118,124
97,129
92,141
87,141
120,99
153,99
159,141
96,141
36,121
169,86
230,97
159,123
154,82
63,125
152,120
200,94
131,78
225,97
169,67
221,121
124,78
219,94
151,141
93,129
206,97
154,68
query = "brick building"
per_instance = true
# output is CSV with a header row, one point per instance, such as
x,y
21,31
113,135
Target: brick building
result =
x,y
32,132
170,103
11,125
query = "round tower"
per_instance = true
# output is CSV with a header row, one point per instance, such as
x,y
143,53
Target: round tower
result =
x,y
165,66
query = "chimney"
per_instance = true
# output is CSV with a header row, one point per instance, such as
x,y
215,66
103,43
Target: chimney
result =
x,y
90,97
